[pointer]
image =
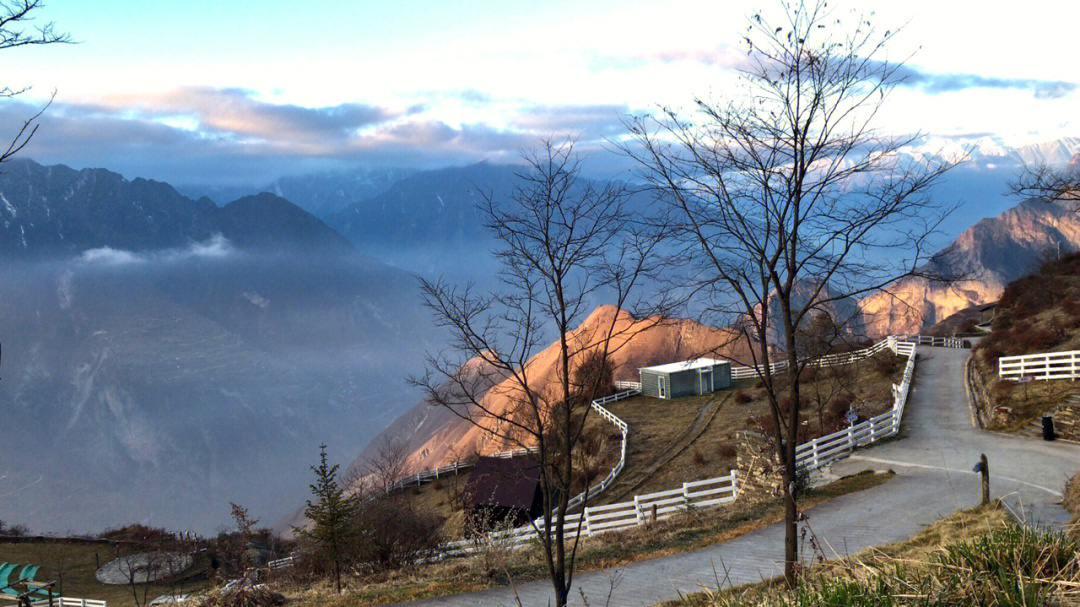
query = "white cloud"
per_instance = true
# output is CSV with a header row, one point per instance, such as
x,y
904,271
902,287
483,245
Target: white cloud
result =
x,y
216,247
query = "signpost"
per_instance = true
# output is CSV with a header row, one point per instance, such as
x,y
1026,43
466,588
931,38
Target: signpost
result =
x,y
1026,379
851,416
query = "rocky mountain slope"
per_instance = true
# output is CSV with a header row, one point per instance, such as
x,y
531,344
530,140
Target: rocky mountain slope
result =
x,y
436,436
428,218
988,256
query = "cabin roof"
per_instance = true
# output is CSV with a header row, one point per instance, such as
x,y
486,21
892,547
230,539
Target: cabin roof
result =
x,y
697,363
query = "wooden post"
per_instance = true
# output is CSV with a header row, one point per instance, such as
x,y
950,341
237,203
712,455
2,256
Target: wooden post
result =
x,y
654,513
985,479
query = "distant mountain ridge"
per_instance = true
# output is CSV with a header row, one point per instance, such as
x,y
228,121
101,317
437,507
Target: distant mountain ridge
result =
x,y
419,219
989,255
56,211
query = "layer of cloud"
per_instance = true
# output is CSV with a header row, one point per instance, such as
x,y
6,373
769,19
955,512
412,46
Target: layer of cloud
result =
x,y
225,137
590,121
237,112
935,83
732,58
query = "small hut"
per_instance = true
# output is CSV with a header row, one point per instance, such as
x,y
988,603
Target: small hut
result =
x,y
506,488
699,376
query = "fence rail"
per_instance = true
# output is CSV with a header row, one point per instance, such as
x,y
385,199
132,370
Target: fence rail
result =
x,y
609,480
67,601
1045,366
426,476
594,520
822,451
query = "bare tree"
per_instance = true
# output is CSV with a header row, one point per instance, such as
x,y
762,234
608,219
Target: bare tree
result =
x,y
17,29
1048,183
564,245
389,465
785,199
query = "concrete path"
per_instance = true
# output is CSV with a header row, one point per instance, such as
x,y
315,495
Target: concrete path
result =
x,y
933,458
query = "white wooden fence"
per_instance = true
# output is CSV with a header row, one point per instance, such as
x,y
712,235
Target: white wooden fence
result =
x,y
831,447
598,405
425,476
67,601
594,520
1048,365
828,360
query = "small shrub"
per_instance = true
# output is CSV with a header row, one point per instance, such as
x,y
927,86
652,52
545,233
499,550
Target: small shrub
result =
x,y
697,458
726,450
886,365
741,397
1071,306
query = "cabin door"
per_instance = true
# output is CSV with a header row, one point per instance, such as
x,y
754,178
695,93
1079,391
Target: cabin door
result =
x,y
705,381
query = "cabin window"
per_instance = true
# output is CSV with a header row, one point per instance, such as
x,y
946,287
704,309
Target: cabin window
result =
x,y
662,386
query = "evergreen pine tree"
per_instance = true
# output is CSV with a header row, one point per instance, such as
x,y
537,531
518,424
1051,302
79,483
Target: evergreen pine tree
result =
x,y
332,515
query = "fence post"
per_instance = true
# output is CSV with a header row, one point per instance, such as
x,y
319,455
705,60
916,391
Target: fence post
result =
x,y
585,515
686,496
734,485
814,444
851,437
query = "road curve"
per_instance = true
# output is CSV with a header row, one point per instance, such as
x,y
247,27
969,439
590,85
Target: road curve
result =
x,y
933,459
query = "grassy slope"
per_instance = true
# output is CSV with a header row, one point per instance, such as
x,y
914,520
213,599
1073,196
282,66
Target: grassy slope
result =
x,y
1038,313
656,425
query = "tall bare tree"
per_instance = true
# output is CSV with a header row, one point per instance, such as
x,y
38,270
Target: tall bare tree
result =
x,y
564,245
17,28
784,199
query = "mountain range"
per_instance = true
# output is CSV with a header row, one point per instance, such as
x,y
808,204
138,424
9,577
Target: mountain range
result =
x,y
164,356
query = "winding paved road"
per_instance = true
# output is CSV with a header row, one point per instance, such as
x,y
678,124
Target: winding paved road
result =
x,y
933,458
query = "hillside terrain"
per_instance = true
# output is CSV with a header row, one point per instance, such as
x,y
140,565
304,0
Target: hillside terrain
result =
x,y
1037,313
436,438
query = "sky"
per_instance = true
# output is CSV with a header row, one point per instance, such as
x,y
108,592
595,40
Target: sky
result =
x,y
239,92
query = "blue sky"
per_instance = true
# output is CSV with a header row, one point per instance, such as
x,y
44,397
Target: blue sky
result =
x,y
239,91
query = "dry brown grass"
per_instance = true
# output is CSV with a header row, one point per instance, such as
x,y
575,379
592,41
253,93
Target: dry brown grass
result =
x,y
656,424
1037,313
961,526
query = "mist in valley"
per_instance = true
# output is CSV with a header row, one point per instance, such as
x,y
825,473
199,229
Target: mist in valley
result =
x,y
159,386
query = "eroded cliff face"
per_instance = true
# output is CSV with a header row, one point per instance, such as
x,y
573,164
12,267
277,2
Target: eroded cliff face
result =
x,y
985,258
436,436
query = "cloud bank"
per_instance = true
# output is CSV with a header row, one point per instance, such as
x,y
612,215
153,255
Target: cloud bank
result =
x,y
202,135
